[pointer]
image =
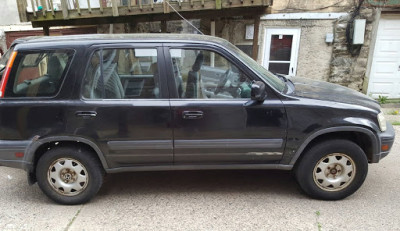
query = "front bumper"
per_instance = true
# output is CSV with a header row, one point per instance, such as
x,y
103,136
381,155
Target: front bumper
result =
x,y
385,138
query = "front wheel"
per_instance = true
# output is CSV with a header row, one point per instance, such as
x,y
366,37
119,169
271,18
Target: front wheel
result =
x,y
69,175
332,170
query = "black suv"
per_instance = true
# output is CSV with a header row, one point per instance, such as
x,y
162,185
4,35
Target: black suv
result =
x,y
74,108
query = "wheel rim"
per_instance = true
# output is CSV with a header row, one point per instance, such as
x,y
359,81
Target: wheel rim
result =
x,y
334,172
68,177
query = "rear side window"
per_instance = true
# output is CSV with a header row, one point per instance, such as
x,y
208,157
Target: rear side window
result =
x,y
38,73
122,74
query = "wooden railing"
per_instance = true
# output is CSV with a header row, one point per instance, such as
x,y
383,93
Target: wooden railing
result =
x,y
41,11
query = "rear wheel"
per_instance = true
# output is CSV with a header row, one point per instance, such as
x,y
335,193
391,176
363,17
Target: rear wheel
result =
x,y
332,170
69,175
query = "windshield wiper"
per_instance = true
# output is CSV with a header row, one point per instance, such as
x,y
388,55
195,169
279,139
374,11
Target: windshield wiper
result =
x,y
286,80
282,77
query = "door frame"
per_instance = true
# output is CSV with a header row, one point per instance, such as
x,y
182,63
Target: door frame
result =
x,y
374,41
141,147
212,148
296,32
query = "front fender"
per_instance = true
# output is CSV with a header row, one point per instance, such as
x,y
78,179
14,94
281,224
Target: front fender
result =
x,y
372,136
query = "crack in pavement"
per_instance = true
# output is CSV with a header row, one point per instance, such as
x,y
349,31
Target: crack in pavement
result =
x,y
73,219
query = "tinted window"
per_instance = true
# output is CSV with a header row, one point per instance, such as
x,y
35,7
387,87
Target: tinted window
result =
x,y
204,74
38,73
273,80
122,74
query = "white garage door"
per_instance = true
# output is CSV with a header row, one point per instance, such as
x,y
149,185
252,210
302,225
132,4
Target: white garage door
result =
x,y
385,69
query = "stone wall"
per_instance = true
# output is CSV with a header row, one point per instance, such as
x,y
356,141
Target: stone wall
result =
x,y
177,26
348,70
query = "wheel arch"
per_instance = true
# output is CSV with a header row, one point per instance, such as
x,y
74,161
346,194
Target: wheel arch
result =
x,y
363,137
38,148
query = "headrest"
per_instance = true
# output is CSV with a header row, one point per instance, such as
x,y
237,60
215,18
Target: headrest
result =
x,y
54,67
199,61
154,68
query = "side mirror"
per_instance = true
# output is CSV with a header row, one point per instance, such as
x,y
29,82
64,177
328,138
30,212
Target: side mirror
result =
x,y
258,92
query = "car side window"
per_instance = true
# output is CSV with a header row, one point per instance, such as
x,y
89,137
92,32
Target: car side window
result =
x,y
122,74
204,74
38,73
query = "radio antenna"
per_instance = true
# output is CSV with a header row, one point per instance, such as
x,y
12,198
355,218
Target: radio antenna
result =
x,y
183,17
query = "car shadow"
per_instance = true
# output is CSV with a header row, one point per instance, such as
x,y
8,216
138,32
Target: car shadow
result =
x,y
215,181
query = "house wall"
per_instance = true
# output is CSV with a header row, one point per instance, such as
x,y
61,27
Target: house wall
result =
x,y
292,6
317,59
314,56
9,15
9,12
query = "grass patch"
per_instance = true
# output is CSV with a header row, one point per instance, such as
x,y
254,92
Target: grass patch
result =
x,y
319,225
396,123
392,100
385,100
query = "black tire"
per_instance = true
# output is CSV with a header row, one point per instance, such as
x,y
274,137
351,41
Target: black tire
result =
x,y
83,183
319,167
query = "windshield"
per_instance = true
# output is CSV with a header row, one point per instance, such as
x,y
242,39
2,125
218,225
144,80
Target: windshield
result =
x,y
4,58
272,79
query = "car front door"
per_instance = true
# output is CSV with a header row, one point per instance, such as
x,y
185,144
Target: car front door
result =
x,y
212,122
124,106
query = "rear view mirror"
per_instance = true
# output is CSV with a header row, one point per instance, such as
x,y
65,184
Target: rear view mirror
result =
x,y
258,92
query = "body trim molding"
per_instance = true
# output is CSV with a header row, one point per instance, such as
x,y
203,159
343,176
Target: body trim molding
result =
x,y
229,143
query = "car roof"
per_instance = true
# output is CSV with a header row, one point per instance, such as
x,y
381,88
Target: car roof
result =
x,y
89,39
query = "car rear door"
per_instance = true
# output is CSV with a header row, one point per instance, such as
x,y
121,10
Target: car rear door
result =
x,y
124,106
212,122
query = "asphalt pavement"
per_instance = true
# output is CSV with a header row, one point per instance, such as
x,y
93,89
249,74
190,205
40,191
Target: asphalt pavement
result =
x,y
207,200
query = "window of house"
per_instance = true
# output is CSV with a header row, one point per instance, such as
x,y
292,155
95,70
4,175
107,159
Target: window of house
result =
x,y
38,73
122,74
281,50
204,74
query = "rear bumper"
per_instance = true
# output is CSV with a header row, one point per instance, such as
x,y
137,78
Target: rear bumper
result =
x,y
12,154
385,138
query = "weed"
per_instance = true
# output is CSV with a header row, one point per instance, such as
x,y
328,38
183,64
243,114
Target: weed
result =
x,y
319,225
394,112
382,99
396,123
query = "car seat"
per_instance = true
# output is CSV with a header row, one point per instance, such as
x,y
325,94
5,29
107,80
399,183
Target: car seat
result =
x,y
193,77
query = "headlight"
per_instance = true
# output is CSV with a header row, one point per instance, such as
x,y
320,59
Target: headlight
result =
x,y
382,121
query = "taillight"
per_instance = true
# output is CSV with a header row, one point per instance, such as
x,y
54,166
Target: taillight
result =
x,y
7,73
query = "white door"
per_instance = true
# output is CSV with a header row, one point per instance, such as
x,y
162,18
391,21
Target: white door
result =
x,y
281,50
385,70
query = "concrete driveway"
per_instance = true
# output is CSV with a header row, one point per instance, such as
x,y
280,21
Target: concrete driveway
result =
x,y
207,200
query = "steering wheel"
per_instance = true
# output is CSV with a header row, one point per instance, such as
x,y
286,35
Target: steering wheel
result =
x,y
222,81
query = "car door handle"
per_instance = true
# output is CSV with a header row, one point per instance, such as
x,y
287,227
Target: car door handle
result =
x,y
191,115
86,114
